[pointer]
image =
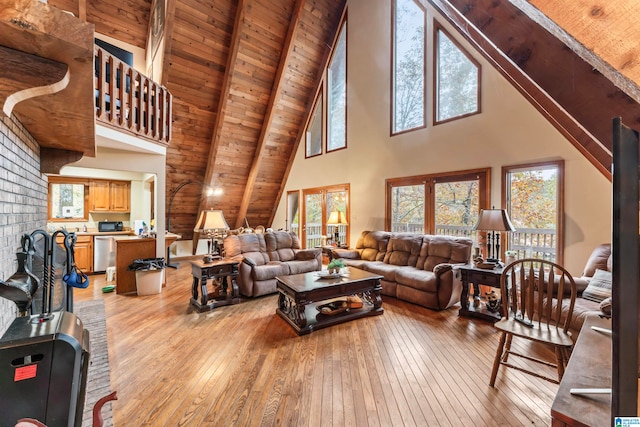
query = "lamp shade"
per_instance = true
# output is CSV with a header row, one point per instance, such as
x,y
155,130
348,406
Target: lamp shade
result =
x,y
337,218
211,220
494,220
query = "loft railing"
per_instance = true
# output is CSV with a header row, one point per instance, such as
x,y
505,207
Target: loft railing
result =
x,y
128,100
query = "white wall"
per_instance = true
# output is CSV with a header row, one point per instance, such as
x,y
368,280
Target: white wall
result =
x,y
509,131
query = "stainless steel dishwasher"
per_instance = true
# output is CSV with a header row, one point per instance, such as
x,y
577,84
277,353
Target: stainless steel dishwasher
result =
x,y
104,253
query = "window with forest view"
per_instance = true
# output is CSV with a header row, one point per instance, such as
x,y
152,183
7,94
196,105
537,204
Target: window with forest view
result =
x,y
447,204
407,208
337,94
314,130
534,203
408,97
457,80
318,203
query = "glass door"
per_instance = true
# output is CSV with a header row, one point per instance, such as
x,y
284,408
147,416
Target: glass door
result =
x,y
313,214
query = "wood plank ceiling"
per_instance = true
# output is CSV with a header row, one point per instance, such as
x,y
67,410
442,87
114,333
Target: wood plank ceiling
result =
x,y
244,73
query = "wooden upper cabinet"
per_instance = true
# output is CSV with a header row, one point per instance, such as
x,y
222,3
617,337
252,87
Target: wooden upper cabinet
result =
x,y
110,196
120,192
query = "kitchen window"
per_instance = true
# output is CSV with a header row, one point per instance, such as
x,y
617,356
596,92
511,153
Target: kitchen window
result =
x,y
68,199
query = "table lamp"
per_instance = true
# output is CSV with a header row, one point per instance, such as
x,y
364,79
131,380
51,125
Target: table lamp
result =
x,y
337,218
494,221
211,223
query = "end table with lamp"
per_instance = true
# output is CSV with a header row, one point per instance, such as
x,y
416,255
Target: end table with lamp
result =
x,y
212,224
337,218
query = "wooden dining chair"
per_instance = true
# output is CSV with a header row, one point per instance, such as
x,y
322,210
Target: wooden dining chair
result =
x,y
533,292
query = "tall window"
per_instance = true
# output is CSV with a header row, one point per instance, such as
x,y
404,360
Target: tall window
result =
x,y
446,204
337,94
408,88
457,80
533,196
313,135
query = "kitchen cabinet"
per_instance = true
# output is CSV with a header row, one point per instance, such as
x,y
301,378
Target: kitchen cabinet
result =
x,y
82,251
110,196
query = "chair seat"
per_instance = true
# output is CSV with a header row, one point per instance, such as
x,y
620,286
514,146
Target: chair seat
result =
x,y
544,334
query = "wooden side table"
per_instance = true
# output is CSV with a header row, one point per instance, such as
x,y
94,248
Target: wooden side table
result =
x,y
478,276
223,273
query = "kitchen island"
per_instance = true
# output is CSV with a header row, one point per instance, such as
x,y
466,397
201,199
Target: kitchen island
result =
x,y
128,250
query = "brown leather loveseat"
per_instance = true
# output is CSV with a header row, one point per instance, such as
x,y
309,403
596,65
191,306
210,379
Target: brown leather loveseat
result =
x,y
415,267
264,256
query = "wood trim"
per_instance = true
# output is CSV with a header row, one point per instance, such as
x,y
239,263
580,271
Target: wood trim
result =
x,y
559,164
276,95
392,72
587,144
342,26
294,151
225,90
429,180
438,27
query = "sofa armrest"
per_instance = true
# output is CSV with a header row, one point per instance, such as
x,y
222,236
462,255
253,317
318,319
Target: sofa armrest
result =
x,y
305,254
345,253
249,262
440,269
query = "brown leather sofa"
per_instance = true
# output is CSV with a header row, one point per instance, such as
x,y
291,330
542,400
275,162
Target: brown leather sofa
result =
x,y
600,259
415,267
264,256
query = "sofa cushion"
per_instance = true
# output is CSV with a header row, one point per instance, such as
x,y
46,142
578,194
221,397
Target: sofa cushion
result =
x,y
417,279
270,270
372,245
403,249
250,246
302,266
443,249
599,287
387,271
281,245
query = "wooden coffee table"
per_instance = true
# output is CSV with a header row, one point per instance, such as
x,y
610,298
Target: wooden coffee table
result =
x,y
301,294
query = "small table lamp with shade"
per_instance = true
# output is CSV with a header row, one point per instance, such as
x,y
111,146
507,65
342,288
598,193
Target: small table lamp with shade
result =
x,y
212,224
494,221
337,218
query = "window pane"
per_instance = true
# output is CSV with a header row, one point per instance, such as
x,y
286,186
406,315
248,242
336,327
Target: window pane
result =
x,y
457,81
457,208
314,131
408,66
337,201
337,93
313,219
407,208
67,200
533,209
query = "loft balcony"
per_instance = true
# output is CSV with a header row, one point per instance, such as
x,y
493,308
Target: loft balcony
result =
x,y
128,101
50,83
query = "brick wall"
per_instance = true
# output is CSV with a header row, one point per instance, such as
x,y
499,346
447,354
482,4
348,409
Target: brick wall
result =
x,y
23,200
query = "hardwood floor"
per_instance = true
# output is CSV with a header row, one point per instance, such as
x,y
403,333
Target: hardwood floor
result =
x,y
242,365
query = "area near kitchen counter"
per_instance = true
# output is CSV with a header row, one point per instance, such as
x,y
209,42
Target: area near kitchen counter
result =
x,y
128,250
85,244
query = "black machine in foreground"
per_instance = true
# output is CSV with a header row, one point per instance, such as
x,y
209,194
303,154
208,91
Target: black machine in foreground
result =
x,y
43,366
44,357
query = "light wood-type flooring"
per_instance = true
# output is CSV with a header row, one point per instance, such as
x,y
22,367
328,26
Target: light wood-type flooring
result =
x,y
242,365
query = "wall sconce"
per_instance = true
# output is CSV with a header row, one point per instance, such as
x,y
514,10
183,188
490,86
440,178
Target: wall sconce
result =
x,y
494,220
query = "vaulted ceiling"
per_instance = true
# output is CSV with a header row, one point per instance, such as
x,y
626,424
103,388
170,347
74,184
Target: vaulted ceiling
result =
x,y
244,74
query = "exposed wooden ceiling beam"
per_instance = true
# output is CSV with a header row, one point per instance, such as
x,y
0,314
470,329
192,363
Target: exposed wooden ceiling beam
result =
x,y
169,20
225,90
276,94
303,126
501,32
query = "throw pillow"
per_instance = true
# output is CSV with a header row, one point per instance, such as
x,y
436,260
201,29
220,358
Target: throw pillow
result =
x,y
599,287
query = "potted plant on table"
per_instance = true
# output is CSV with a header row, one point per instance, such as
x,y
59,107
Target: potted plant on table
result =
x,y
335,265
